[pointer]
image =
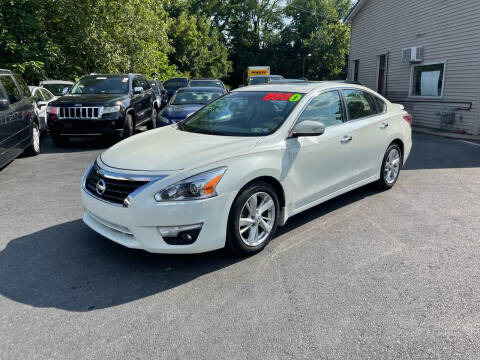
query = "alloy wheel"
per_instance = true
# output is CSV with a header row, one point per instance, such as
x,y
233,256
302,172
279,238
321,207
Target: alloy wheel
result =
x,y
36,139
257,219
392,166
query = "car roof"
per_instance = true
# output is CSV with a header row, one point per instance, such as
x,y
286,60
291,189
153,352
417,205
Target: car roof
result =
x,y
5,71
205,80
206,88
300,87
46,82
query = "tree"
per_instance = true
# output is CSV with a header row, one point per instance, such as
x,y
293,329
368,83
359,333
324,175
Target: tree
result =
x,y
25,47
197,47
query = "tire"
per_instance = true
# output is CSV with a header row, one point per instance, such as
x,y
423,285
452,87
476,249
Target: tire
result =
x,y
240,238
153,122
59,140
128,127
391,166
34,148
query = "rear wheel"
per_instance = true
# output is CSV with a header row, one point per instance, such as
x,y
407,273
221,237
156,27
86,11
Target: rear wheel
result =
x,y
253,219
153,122
34,148
391,166
128,127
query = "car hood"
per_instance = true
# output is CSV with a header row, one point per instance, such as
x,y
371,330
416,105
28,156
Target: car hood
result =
x,y
88,99
170,149
180,112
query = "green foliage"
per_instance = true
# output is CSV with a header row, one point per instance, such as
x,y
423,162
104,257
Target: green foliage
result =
x,y
198,38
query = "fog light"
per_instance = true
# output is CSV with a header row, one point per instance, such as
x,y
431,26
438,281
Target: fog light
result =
x,y
181,234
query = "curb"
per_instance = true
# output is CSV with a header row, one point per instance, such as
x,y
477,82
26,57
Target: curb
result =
x,y
445,134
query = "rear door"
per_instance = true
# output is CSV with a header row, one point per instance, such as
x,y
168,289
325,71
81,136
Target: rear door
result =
x,y
16,126
370,130
322,165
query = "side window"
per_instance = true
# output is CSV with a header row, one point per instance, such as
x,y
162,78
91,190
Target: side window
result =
x,y
38,95
136,82
13,93
146,85
381,106
325,108
359,104
46,95
23,86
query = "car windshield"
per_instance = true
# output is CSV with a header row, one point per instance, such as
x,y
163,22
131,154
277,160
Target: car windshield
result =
x,y
56,89
200,83
101,85
258,80
184,97
243,113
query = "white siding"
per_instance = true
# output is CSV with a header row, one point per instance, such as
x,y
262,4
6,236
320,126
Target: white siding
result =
x,y
449,30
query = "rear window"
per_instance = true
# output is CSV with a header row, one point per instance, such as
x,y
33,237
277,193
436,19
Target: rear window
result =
x,y
174,83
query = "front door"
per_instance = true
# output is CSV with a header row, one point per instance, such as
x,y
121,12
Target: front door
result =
x,y
321,165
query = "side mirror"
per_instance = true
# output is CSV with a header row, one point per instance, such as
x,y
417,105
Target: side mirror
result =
x,y
41,104
4,104
65,90
308,128
137,90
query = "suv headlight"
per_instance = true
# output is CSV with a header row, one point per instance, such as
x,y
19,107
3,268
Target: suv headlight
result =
x,y
201,186
111,109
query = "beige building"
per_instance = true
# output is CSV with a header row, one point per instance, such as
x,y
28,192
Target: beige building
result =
x,y
423,54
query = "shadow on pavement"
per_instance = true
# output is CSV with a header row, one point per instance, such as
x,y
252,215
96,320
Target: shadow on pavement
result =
x,y
70,267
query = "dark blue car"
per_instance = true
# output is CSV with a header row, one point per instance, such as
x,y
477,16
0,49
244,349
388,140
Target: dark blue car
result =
x,y
186,101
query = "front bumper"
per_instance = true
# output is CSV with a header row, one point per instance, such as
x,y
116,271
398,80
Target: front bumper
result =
x,y
107,125
137,226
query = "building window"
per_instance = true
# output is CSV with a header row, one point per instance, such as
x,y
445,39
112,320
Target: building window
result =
x,y
356,67
381,73
428,80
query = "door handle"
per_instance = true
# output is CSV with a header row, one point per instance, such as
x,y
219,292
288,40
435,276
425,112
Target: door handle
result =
x,y
346,139
384,125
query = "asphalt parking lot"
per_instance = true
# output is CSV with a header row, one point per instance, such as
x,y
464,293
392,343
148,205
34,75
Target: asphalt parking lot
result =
x,y
391,275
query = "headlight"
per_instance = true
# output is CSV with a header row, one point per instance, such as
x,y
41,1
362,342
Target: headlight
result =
x,y
201,186
52,109
111,109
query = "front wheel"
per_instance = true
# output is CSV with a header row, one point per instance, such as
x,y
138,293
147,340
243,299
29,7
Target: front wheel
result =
x,y
253,219
391,166
153,122
128,127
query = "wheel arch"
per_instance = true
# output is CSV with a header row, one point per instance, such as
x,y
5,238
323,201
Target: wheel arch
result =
x,y
271,181
131,112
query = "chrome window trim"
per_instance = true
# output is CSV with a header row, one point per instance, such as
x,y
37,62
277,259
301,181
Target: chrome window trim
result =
x,y
123,177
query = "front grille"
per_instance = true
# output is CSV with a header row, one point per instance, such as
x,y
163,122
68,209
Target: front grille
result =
x,y
116,191
80,112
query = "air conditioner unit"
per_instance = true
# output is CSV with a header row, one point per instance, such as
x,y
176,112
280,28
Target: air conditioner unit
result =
x,y
412,54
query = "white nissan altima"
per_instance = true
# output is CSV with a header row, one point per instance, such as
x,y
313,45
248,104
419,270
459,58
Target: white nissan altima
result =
x,y
242,165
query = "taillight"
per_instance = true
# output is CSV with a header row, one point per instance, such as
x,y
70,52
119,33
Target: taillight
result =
x,y
52,110
408,119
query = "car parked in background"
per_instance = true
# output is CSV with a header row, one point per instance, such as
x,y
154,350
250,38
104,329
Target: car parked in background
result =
x,y
238,168
261,80
56,87
42,98
19,127
186,101
207,83
174,84
160,94
112,105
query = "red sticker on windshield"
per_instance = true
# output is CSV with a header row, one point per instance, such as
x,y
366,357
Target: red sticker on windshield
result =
x,y
280,96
